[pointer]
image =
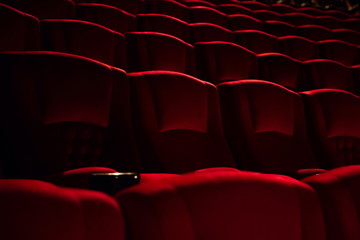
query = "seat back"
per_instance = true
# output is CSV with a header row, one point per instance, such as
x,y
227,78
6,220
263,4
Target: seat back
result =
x,y
340,51
244,22
314,32
279,28
207,32
200,14
257,41
299,48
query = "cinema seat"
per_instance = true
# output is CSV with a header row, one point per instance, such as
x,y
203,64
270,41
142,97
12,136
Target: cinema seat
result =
x,y
352,23
44,9
281,69
150,51
254,5
107,16
339,51
298,19
279,28
282,8
314,32
19,31
300,48
323,73
328,22
177,123
222,61
202,14
153,22
85,39
339,197
223,205
257,41
133,6
266,15
229,9
59,116
193,3
244,22
167,7
333,126
264,124
36,210
347,35
207,32
311,11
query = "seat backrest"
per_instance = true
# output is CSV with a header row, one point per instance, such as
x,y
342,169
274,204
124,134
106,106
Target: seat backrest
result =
x,y
222,61
178,123
60,113
254,5
347,35
352,23
206,32
244,22
266,15
314,32
85,39
167,7
223,205
154,22
328,22
107,16
311,11
264,124
159,51
333,117
44,9
282,8
200,14
281,69
257,41
229,8
279,28
133,6
299,48
42,211
340,51
323,73
19,31
298,19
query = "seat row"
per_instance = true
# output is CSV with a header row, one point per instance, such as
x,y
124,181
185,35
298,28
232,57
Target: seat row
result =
x,y
209,204
69,112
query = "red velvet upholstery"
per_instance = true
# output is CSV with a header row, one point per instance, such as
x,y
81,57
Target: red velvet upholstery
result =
x,y
352,23
298,19
347,35
222,61
178,123
328,22
300,48
314,32
85,39
206,32
279,28
333,117
59,113
340,51
107,16
282,8
150,51
44,9
266,15
223,205
281,69
338,191
201,14
19,31
257,41
265,127
35,210
322,73
167,7
244,22
164,24
229,8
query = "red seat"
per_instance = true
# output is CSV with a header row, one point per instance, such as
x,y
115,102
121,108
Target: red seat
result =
x,y
191,3
347,35
281,69
336,13
257,41
333,117
282,8
85,39
244,22
61,113
222,61
279,28
167,7
311,11
44,9
352,23
155,22
133,6
323,73
178,124
299,48
225,205
201,14
314,32
42,211
234,9
19,31
298,19
107,16
150,51
265,127
253,5
267,15
206,32
339,51
328,22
